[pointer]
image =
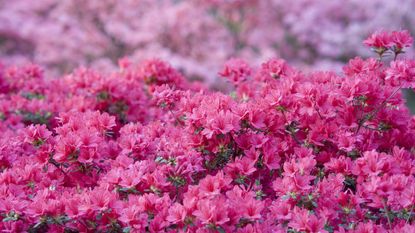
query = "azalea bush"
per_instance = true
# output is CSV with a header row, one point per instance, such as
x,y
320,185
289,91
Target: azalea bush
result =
x,y
143,149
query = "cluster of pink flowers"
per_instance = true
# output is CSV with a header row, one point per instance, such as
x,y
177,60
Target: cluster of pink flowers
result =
x,y
197,36
395,41
144,150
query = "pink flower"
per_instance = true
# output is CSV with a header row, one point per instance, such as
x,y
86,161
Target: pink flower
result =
x,y
251,209
368,227
401,74
158,72
166,97
37,134
303,221
225,122
401,39
236,70
212,212
274,68
281,210
98,200
211,186
244,166
177,214
358,66
134,217
379,40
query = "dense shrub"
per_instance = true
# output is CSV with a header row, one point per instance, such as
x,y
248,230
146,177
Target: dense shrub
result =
x,y
144,150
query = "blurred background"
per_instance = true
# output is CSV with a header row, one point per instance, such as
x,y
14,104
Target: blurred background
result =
x,y
195,36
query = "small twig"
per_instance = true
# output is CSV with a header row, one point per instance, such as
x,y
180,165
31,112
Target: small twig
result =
x,y
389,97
376,110
52,161
396,55
285,117
295,138
368,127
177,120
318,112
410,214
316,108
387,214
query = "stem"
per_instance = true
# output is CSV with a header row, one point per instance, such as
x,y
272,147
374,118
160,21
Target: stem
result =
x,y
396,55
361,122
295,138
360,117
387,214
282,110
176,119
410,214
368,127
376,110
52,161
384,102
380,57
285,117
177,194
318,112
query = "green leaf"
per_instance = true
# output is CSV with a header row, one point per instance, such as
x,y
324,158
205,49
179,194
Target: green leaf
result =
x,y
160,160
220,229
30,95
